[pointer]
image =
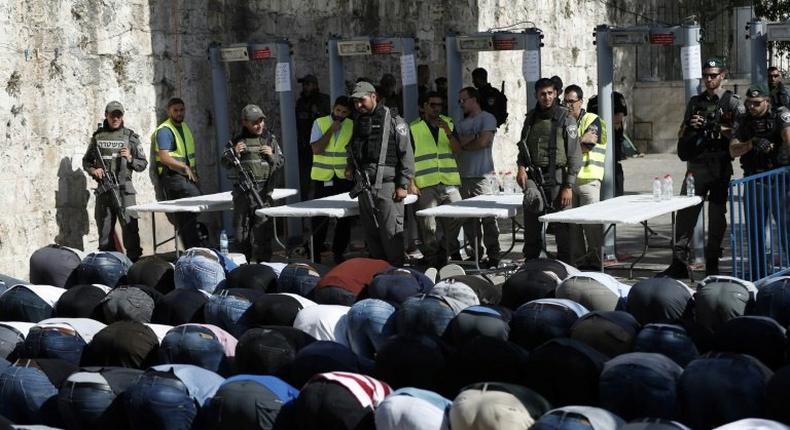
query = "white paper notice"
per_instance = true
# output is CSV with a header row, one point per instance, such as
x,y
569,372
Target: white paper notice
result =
x,y
691,62
408,72
530,65
282,77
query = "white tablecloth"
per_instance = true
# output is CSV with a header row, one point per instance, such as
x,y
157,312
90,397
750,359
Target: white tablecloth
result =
x,y
483,206
630,209
206,203
337,206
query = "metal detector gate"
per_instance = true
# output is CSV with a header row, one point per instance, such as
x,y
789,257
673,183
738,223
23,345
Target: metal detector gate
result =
x,y
606,38
363,46
279,50
528,41
760,33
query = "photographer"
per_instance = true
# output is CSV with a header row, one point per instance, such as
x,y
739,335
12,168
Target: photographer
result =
x,y
704,144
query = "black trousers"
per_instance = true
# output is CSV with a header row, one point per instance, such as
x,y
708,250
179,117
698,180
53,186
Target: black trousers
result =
x,y
178,186
320,225
106,217
254,234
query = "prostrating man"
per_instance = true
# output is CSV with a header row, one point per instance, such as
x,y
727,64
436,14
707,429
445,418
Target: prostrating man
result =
x,y
436,178
704,146
475,161
176,167
762,141
260,155
381,161
117,149
549,148
329,140
587,240
311,105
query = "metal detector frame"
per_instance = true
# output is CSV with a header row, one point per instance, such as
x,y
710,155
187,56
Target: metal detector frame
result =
x,y
760,33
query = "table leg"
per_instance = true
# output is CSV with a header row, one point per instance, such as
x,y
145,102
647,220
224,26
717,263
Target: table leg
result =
x,y
153,230
603,245
477,251
276,236
644,250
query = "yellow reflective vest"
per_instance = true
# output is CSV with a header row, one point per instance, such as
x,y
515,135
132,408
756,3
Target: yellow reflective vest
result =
x,y
434,162
593,160
185,148
332,163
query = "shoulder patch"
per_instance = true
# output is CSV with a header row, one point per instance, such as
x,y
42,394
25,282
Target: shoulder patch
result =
x,y
402,128
785,116
573,131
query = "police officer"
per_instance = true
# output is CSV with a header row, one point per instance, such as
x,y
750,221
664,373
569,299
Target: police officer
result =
x,y
703,144
549,148
491,99
122,153
381,148
762,141
311,105
593,139
436,178
779,94
261,157
329,139
173,149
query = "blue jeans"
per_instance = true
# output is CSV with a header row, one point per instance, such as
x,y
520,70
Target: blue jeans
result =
x,y
82,405
53,342
200,269
22,304
159,402
633,390
773,300
26,394
562,420
668,339
104,267
227,311
369,325
191,344
297,278
10,340
423,315
535,323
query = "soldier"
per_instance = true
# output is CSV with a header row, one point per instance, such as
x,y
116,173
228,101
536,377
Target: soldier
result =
x,y
173,148
704,144
762,141
329,140
380,158
592,138
779,93
550,149
261,157
311,105
121,153
436,178
491,99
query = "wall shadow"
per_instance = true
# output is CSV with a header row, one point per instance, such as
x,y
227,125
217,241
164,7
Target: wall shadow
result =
x,y
71,204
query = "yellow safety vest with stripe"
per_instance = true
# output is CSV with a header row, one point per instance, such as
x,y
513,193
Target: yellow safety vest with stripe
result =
x,y
185,148
594,159
434,162
333,161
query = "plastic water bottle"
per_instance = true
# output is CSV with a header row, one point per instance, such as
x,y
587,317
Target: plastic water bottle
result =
x,y
656,189
690,190
223,243
667,194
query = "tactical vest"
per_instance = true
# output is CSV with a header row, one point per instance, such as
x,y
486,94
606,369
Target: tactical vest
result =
x,y
332,163
766,128
593,161
110,143
253,161
184,150
539,139
368,136
434,162
714,112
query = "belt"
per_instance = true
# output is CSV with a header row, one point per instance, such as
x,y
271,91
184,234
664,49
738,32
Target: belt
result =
x,y
170,382
94,385
62,330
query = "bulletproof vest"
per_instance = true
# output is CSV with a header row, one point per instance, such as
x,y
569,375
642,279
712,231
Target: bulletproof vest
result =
x,y
539,139
253,161
713,112
765,127
368,131
110,143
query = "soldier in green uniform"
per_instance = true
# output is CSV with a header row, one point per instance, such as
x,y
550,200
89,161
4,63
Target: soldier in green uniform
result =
x,y
122,154
260,155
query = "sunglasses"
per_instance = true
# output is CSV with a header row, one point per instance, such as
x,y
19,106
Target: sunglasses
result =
x,y
710,75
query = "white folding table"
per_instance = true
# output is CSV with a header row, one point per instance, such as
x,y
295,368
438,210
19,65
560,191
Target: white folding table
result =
x,y
631,209
336,206
206,203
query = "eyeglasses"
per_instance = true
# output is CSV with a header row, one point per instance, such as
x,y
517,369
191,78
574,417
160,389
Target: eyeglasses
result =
x,y
567,102
710,75
775,76
462,100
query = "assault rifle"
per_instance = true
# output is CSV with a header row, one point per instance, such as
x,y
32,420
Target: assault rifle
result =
x,y
246,184
534,173
363,186
109,182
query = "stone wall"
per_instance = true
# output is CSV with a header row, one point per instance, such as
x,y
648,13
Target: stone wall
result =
x,y
61,61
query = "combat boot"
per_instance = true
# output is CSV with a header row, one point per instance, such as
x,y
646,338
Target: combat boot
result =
x,y
676,270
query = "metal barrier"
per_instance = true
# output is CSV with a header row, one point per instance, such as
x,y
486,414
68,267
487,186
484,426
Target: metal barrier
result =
x,y
759,224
